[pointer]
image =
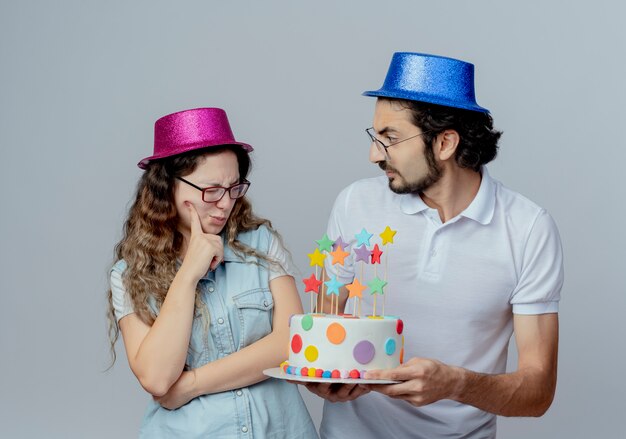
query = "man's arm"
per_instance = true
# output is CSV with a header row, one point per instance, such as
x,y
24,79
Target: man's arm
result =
x,y
526,392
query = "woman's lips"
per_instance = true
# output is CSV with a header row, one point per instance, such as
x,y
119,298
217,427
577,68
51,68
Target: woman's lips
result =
x,y
218,220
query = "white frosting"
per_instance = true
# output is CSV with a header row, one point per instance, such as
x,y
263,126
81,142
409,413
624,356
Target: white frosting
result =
x,y
334,353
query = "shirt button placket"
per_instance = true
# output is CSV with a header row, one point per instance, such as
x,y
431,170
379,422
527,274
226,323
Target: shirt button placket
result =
x,y
433,262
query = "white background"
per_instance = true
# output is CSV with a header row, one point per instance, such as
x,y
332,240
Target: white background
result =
x,y
82,82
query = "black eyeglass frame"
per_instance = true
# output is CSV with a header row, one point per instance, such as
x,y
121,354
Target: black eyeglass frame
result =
x,y
244,183
379,143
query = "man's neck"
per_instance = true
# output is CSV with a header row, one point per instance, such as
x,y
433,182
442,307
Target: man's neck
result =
x,y
453,192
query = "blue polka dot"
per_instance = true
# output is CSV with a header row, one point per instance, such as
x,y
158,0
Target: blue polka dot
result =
x,y
326,374
390,346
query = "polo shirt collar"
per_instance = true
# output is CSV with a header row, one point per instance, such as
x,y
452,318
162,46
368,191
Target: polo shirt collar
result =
x,y
412,204
480,209
484,203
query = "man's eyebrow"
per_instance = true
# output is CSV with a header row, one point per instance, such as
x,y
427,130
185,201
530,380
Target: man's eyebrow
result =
x,y
387,130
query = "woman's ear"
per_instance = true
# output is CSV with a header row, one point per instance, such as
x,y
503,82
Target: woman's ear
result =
x,y
445,146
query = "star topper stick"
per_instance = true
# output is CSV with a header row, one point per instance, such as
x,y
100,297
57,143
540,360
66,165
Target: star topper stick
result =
x,y
363,241
362,255
324,245
317,260
312,285
387,237
376,260
355,289
376,286
333,288
338,258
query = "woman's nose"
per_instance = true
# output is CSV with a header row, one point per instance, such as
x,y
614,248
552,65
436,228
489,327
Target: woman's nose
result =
x,y
225,202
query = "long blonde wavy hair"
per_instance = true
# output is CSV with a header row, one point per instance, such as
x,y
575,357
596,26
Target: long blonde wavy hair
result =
x,y
151,241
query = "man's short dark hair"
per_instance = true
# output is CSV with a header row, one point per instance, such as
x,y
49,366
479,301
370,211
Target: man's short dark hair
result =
x,y
478,142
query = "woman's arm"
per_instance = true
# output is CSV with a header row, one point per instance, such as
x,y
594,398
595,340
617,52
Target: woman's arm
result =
x,y
245,367
157,353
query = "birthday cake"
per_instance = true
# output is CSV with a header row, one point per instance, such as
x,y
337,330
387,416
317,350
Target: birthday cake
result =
x,y
343,346
334,345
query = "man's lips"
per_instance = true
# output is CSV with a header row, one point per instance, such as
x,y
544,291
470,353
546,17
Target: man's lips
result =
x,y
389,171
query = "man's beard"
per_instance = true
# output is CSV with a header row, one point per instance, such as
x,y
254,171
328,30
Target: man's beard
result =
x,y
433,176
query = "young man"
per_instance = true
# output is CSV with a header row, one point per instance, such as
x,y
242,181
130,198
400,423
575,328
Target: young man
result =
x,y
472,263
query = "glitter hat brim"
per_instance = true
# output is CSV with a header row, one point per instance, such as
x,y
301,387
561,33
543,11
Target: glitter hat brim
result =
x,y
191,130
430,78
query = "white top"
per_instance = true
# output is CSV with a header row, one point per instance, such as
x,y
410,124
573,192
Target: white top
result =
x,y
123,306
456,286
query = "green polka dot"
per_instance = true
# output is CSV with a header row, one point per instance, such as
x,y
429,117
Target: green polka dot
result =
x,y
307,322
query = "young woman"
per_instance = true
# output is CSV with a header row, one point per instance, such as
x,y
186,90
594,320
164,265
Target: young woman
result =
x,y
203,291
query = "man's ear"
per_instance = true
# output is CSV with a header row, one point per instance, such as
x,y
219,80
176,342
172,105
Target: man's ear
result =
x,y
445,144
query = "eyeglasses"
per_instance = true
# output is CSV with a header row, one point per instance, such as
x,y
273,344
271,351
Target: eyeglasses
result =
x,y
215,193
382,148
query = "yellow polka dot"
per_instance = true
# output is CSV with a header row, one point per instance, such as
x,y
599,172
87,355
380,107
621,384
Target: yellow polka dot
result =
x,y
311,371
310,353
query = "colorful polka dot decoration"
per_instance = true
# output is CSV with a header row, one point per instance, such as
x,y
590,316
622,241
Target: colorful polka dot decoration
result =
x,y
336,333
296,343
320,373
399,326
390,346
307,322
311,353
364,352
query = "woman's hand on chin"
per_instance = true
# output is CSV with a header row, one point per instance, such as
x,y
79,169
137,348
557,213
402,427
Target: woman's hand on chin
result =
x,y
204,250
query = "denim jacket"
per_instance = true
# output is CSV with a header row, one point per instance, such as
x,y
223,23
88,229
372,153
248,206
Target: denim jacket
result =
x,y
239,304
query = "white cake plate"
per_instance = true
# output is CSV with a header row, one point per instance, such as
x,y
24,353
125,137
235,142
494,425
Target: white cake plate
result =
x,y
277,372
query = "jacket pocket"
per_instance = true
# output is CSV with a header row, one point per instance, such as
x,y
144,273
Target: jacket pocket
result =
x,y
254,309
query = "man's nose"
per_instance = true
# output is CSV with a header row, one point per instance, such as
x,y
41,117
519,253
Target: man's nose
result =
x,y
376,155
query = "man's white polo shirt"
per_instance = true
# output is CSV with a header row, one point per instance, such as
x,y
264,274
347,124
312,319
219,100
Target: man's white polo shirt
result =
x,y
456,285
